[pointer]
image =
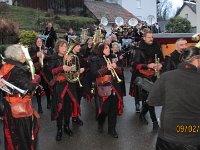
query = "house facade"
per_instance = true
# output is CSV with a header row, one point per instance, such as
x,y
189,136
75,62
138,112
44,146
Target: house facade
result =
x,y
188,11
142,9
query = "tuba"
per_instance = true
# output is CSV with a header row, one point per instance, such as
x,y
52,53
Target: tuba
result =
x,y
73,75
29,61
98,36
196,37
132,22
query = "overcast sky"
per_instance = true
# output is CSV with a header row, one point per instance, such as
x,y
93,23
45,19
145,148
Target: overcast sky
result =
x,y
176,3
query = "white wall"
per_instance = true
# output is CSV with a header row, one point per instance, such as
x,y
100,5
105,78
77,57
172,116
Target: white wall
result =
x,y
114,1
148,7
198,16
7,1
191,15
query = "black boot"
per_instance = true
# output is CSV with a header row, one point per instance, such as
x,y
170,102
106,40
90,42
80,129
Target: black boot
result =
x,y
143,119
38,96
48,105
40,109
155,126
48,102
59,135
100,128
113,133
137,108
67,130
77,120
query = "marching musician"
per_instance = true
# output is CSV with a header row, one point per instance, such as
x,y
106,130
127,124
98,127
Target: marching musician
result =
x,y
86,80
172,61
52,37
64,102
20,123
40,59
76,51
143,64
120,62
109,100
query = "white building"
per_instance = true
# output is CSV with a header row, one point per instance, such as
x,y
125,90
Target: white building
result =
x,y
7,1
142,9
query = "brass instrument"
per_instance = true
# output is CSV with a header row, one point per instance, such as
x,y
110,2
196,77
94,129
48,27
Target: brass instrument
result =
x,y
29,61
157,61
11,89
196,37
84,35
41,59
73,75
98,36
113,72
132,22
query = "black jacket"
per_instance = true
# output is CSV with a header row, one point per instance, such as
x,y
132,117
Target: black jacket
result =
x,y
172,61
178,92
20,76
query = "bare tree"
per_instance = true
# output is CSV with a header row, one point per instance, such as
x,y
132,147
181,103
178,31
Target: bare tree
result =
x,y
163,9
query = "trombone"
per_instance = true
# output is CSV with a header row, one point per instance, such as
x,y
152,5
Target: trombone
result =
x,y
10,88
113,72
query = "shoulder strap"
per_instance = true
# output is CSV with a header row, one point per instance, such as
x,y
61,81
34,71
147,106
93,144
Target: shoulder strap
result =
x,y
6,68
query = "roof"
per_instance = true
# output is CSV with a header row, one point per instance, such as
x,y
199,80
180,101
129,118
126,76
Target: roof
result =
x,y
109,10
191,5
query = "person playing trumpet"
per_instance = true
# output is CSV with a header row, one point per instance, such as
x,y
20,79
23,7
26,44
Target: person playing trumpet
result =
x,y
145,64
109,100
20,125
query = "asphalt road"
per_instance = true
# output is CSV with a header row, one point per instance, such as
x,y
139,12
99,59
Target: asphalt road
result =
x,y
133,135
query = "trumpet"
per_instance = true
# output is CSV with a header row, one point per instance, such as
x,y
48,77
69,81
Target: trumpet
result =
x,y
157,61
41,59
113,72
10,88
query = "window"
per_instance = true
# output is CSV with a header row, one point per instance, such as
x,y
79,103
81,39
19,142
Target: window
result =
x,y
138,3
186,16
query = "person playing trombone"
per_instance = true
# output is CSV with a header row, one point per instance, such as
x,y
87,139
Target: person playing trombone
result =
x,y
109,100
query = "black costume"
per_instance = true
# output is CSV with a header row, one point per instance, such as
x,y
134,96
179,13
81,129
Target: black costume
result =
x,y
86,77
20,133
45,75
172,61
120,63
52,37
65,98
144,55
111,104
